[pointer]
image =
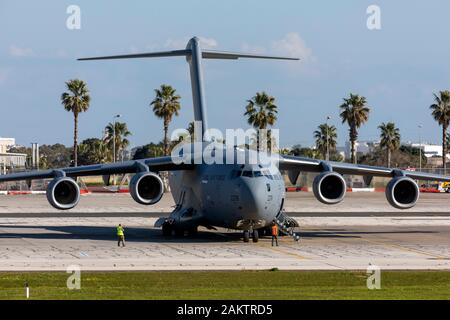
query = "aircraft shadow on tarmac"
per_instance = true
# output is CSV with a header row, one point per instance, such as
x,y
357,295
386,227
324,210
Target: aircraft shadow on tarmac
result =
x,y
146,234
75,214
132,234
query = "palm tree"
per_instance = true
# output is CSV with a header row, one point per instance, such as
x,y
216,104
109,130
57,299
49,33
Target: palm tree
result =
x,y
187,137
261,113
165,105
447,142
100,152
150,150
76,100
191,129
92,151
355,112
441,113
326,137
121,132
390,139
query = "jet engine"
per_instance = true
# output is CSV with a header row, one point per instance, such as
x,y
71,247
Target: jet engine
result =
x,y
146,188
329,187
402,192
63,193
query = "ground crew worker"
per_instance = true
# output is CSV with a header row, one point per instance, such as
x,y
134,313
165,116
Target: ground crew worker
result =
x,y
274,234
120,236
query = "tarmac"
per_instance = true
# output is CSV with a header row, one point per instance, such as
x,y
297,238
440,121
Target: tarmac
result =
x,y
363,230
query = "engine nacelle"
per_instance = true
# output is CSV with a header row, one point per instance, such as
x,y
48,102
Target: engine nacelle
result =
x,y
146,188
402,193
63,193
329,187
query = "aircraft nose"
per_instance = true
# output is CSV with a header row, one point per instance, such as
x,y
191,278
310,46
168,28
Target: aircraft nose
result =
x,y
253,200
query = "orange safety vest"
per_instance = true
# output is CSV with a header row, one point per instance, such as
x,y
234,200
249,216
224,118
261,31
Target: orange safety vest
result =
x,y
274,230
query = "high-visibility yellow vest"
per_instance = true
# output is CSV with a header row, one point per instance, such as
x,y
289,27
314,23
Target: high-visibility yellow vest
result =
x,y
119,231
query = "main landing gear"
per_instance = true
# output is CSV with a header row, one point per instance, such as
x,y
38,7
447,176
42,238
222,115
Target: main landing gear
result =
x,y
253,233
168,230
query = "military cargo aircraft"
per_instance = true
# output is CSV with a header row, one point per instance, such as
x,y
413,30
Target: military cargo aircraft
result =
x,y
241,195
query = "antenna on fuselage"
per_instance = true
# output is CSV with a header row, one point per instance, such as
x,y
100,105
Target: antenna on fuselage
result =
x,y
194,55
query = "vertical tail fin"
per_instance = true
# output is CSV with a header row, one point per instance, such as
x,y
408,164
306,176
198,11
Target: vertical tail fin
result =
x,y
194,55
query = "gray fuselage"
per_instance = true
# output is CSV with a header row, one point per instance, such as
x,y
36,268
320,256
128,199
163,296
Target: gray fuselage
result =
x,y
235,196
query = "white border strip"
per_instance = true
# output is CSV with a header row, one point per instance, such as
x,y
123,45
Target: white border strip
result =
x,y
362,189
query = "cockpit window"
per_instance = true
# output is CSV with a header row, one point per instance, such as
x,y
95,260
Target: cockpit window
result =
x,y
247,174
255,174
252,174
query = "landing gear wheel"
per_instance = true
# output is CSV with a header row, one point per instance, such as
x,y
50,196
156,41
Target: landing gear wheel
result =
x,y
193,231
179,232
246,236
166,229
255,236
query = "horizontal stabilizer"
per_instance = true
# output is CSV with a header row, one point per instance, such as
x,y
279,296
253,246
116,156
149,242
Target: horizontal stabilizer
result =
x,y
174,53
211,54
206,54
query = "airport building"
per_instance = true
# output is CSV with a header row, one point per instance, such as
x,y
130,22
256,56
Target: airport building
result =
x,y
365,147
9,160
362,148
429,150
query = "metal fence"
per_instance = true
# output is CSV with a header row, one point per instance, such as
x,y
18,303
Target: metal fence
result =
x,y
440,171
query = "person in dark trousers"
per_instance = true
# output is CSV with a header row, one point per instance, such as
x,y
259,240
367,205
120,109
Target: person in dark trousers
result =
x,y
120,236
274,234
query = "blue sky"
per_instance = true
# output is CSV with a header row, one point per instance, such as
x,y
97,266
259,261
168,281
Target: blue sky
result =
x,y
397,68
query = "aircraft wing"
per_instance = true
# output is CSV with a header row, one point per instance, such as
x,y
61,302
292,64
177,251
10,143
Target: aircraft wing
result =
x,y
292,163
134,166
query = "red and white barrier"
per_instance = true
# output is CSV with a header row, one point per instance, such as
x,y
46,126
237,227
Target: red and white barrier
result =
x,y
361,190
309,189
23,193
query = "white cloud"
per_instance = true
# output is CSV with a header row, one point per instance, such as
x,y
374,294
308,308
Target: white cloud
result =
x,y
245,47
16,51
207,43
293,45
175,43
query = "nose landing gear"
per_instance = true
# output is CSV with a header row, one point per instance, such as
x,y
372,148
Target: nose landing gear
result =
x,y
253,233
167,229
246,236
255,236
